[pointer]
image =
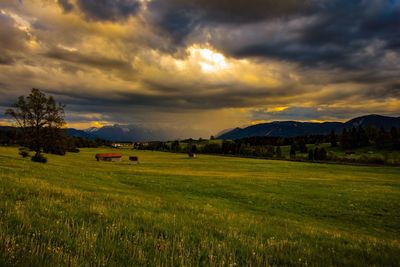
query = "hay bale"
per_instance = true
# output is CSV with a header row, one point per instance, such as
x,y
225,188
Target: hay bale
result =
x,y
109,157
134,159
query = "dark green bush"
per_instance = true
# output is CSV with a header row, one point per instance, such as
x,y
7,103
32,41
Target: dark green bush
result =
x,y
372,160
24,153
56,150
74,150
39,158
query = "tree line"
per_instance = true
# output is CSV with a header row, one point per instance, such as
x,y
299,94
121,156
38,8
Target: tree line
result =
x,y
358,137
271,147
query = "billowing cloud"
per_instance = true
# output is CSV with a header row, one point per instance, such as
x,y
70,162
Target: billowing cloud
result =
x,y
73,56
14,36
66,5
179,17
199,66
108,9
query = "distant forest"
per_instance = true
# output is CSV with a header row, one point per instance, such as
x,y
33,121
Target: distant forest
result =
x,y
271,147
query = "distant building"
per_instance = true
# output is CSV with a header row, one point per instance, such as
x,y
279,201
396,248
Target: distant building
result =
x,y
116,145
122,145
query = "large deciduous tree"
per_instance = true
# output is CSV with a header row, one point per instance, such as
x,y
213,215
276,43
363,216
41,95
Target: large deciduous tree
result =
x,y
38,116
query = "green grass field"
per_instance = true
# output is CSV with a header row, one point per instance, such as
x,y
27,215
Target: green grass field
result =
x,y
210,211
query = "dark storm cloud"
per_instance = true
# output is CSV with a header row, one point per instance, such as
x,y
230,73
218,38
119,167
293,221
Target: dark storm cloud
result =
x,y
178,17
171,102
307,55
383,91
338,30
87,59
6,59
66,5
111,10
319,114
12,39
12,42
299,113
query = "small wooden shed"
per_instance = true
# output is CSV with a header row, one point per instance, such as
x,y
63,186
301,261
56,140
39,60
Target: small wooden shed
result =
x,y
108,157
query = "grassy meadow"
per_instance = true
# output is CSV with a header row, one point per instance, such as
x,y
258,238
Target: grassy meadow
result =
x,y
171,210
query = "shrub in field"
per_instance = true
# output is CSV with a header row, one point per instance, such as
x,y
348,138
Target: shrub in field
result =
x,y
322,154
372,160
212,148
292,151
74,150
278,152
23,152
332,156
39,158
56,150
316,153
310,154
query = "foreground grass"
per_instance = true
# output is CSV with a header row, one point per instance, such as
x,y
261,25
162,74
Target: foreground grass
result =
x,y
174,211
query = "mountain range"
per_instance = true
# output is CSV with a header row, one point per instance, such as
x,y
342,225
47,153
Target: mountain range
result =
x,y
133,133
123,133
295,128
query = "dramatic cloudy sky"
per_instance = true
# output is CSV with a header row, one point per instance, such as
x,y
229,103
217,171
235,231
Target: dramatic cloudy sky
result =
x,y
199,66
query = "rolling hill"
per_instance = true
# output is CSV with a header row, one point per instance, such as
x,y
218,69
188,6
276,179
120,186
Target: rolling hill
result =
x,y
294,128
